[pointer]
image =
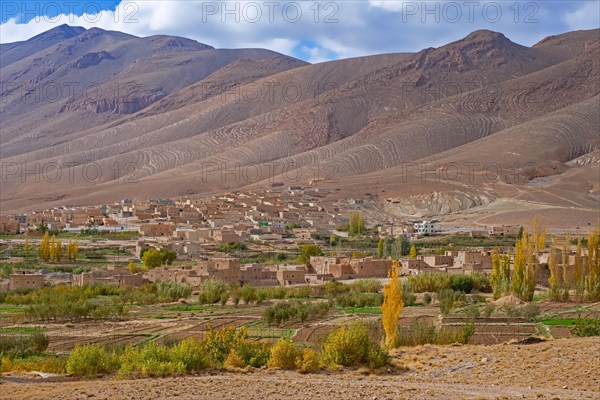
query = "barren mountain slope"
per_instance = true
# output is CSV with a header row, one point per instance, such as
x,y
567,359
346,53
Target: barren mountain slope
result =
x,y
97,76
358,120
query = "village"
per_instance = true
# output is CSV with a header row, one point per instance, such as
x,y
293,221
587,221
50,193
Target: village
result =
x,y
204,234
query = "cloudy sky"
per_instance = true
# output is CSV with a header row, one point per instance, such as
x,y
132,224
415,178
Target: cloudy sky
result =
x,y
311,30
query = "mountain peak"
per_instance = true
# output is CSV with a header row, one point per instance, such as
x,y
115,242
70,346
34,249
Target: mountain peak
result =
x,y
486,35
63,31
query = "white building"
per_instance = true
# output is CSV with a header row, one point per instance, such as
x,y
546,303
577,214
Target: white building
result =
x,y
426,227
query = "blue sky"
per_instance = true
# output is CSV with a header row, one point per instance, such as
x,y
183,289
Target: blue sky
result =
x,y
310,30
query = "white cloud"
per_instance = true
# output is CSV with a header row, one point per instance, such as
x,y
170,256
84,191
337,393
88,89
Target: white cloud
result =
x,y
317,54
390,5
343,29
587,17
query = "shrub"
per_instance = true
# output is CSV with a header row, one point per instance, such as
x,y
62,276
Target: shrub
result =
x,y
420,333
218,344
173,291
427,298
282,312
449,299
150,360
472,311
51,365
408,297
335,288
284,355
488,310
434,282
211,291
191,353
20,346
586,327
91,360
461,283
308,361
250,353
467,333
351,345
357,299
366,286
529,311
248,294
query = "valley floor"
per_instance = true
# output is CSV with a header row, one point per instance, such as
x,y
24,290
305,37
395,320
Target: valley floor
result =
x,y
558,369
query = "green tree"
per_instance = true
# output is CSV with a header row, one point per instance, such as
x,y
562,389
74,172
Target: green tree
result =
x,y
308,251
356,226
380,248
43,227
168,256
152,258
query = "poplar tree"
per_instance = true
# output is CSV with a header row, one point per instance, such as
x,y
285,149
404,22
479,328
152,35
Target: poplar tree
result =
x,y
392,304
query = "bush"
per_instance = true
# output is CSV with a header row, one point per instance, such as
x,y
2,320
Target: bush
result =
x,y
472,311
420,333
434,282
91,361
351,345
172,291
357,299
191,353
461,283
211,291
586,328
449,299
308,361
248,352
366,286
50,365
427,298
150,360
529,311
488,310
283,312
408,297
284,355
21,346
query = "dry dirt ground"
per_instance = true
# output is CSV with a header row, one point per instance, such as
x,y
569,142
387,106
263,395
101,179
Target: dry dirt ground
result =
x,y
560,369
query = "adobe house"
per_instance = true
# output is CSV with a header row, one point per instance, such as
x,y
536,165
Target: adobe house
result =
x,y
23,280
291,275
156,230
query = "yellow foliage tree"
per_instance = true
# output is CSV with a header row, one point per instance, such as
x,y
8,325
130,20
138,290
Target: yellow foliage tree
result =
x,y
497,277
565,274
58,250
392,304
413,252
553,281
52,248
518,280
26,247
593,267
44,249
578,277
132,268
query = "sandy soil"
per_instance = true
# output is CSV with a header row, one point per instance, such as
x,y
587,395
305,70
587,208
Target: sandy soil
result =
x,y
560,369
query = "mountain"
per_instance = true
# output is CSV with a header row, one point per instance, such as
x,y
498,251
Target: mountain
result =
x,y
190,115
